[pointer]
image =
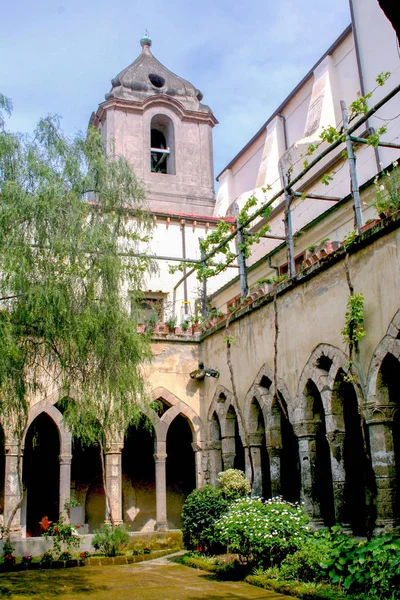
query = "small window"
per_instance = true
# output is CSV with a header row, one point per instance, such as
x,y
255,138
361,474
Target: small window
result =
x,y
162,145
157,80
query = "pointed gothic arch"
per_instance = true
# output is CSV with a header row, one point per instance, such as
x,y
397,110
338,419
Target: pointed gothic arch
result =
x,y
330,433
383,418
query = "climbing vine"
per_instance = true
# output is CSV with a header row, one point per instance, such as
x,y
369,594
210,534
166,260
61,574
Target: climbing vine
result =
x,y
353,330
224,256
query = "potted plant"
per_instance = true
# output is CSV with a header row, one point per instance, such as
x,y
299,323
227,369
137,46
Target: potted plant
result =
x,y
151,323
171,324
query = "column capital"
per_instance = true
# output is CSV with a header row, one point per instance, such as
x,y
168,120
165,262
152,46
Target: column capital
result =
x,y
114,448
379,413
335,438
255,439
12,449
306,429
160,457
65,459
274,451
196,447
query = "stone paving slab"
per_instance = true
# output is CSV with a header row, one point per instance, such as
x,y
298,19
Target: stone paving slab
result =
x,y
144,581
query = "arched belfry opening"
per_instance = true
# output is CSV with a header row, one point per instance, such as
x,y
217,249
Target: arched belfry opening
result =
x,y
162,145
41,473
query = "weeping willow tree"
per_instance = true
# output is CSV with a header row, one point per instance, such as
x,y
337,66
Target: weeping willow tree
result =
x,y
71,225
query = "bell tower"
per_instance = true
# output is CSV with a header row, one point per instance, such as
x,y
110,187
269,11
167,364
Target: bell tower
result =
x,y
157,121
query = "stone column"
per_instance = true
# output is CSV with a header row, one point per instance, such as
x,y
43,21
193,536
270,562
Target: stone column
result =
x,y
379,420
336,447
306,433
113,476
65,485
215,460
198,461
255,441
275,470
12,491
228,452
160,458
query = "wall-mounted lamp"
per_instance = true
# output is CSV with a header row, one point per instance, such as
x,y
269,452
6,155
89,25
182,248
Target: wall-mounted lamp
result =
x,y
200,373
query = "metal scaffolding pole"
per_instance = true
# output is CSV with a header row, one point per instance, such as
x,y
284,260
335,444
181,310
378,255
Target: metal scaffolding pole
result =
x,y
288,223
244,286
355,191
204,311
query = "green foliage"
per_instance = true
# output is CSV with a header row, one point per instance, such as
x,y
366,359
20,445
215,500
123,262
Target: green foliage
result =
x,y
6,106
64,537
171,323
110,540
263,532
64,319
374,138
202,508
353,330
233,483
359,106
387,191
326,178
382,77
185,325
366,567
305,564
350,238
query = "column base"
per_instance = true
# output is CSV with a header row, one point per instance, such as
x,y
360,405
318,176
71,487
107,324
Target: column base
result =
x,y
386,526
161,526
15,532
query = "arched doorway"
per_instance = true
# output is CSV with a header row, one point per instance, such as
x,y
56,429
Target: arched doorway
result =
x,y
41,473
322,488
290,468
388,394
345,409
232,445
87,488
180,468
260,458
138,477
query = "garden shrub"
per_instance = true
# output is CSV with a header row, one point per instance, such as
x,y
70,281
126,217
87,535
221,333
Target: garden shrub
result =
x,y
263,532
305,563
65,539
202,508
234,484
366,567
110,540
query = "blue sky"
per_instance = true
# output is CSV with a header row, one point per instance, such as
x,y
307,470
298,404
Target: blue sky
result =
x,y
60,56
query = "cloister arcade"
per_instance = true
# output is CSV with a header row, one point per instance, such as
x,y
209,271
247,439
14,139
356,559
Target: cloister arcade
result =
x,y
335,447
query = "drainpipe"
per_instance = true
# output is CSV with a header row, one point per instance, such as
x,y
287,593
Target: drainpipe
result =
x,y
185,288
361,78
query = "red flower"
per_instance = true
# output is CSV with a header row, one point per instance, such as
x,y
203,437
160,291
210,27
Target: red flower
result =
x,y
55,528
78,526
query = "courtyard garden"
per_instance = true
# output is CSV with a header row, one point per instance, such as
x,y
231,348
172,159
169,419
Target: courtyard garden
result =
x,y
271,544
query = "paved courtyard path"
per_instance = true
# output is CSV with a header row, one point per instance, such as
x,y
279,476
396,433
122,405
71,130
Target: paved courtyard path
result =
x,y
160,579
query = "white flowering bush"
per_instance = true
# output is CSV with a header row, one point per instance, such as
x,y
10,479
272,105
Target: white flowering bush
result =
x,y
263,532
234,484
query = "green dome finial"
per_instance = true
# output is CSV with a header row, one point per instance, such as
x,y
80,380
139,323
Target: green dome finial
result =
x,y
146,40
